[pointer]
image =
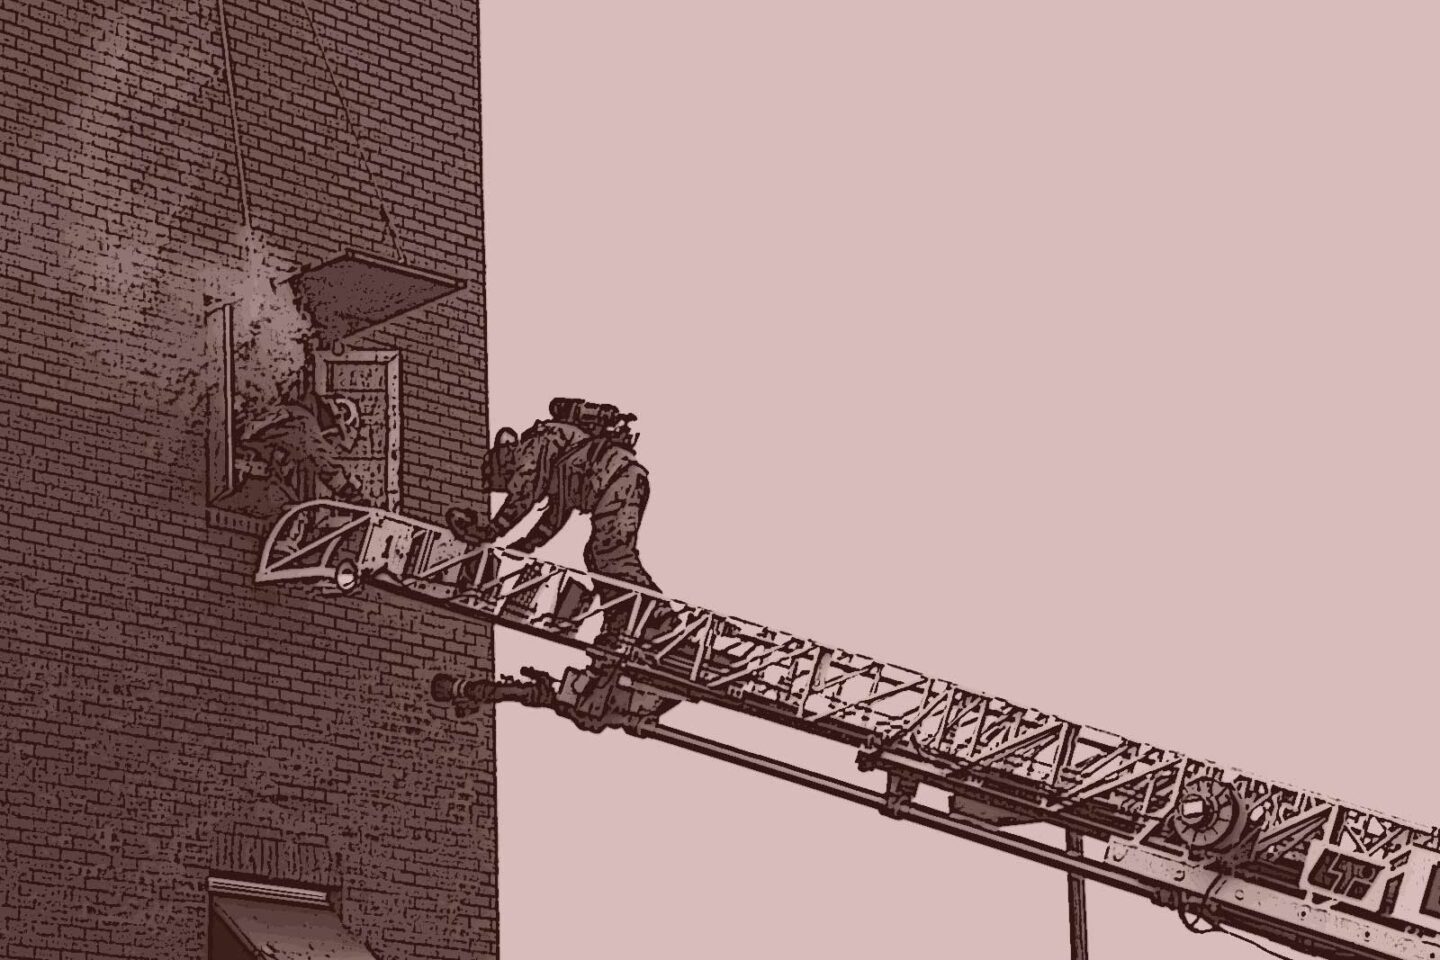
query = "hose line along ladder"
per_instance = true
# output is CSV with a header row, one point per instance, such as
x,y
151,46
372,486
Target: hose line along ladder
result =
x,y
1245,853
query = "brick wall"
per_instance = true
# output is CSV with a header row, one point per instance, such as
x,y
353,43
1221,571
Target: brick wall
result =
x,y
163,717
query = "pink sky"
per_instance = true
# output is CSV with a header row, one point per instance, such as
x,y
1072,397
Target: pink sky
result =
x,y
1078,353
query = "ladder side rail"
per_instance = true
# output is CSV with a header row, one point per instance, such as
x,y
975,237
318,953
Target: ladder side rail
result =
x,y
957,739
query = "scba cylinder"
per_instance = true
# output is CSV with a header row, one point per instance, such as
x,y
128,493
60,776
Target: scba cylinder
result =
x,y
603,416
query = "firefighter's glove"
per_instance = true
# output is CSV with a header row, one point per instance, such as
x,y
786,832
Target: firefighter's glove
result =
x,y
466,526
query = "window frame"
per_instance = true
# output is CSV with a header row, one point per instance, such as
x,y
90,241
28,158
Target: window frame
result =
x,y
220,441
390,359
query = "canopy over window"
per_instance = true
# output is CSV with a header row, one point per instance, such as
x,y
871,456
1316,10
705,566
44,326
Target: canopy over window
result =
x,y
356,291
246,929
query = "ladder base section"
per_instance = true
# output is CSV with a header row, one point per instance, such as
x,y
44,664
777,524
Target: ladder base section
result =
x,y
597,698
1262,856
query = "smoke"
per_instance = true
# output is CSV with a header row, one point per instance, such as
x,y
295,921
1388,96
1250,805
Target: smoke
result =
x,y
120,257
269,333
118,246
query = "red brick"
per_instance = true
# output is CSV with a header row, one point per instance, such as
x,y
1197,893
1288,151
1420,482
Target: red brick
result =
x,y
154,696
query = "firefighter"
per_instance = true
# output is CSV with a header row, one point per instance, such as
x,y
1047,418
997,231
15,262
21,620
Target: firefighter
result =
x,y
301,446
572,470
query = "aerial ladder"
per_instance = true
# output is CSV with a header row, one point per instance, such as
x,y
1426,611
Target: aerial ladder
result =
x,y
1225,849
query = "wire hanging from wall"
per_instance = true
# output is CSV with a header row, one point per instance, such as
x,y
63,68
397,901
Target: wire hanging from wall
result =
x,y
355,133
234,117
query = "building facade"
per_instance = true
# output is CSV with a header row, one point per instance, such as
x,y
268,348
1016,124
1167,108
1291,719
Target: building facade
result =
x,y
241,264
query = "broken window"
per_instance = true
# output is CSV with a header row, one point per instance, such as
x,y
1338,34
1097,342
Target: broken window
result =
x,y
289,425
294,415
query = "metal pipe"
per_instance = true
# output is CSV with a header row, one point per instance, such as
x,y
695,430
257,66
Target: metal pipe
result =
x,y
1074,863
1079,931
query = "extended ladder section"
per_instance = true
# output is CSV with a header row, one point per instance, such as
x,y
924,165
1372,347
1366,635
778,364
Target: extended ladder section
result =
x,y
1314,874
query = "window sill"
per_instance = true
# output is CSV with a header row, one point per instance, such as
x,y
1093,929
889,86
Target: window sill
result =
x,y
220,518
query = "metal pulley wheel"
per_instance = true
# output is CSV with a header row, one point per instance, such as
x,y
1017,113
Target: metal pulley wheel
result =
x,y
1210,815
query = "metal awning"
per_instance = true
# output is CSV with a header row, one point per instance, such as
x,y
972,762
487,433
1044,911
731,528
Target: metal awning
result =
x,y
269,930
356,291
